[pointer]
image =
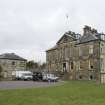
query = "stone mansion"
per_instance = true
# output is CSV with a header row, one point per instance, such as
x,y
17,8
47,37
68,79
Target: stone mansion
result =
x,y
82,57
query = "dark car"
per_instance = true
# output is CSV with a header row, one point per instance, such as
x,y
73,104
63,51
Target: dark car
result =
x,y
37,76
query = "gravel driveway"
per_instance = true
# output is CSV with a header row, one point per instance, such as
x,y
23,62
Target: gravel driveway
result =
x,y
26,84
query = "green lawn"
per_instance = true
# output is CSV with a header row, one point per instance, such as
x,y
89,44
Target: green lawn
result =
x,y
71,93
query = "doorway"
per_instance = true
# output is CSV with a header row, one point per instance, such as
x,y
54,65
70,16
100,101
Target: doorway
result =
x,y
64,67
5,74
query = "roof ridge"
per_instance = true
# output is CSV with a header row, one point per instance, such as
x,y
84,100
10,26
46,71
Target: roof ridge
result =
x,y
11,56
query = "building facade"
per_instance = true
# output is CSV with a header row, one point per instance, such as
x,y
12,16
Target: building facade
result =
x,y
80,56
10,62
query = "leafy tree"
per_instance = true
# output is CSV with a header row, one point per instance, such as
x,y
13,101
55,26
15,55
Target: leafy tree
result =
x,y
36,65
43,66
30,64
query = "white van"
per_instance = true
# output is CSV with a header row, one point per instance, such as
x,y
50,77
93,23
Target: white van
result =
x,y
19,75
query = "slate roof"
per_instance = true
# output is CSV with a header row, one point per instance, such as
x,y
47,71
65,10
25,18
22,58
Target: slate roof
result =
x,y
11,56
87,38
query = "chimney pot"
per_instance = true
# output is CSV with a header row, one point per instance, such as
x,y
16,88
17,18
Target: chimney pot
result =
x,y
87,30
94,31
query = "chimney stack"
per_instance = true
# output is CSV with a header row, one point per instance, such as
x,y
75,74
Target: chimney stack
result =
x,y
87,30
94,31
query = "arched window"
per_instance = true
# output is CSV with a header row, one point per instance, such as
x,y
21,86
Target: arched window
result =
x,y
72,65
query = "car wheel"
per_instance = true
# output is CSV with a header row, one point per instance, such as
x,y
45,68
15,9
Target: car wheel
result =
x,y
49,80
28,79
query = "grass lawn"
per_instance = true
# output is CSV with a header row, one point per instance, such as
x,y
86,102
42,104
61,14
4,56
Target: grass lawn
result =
x,y
71,93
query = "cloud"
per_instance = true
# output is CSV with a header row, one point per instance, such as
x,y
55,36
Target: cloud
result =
x,y
30,27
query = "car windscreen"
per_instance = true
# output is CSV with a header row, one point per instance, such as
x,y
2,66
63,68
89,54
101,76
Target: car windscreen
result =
x,y
27,74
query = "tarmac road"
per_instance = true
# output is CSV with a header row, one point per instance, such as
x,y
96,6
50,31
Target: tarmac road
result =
x,y
26,84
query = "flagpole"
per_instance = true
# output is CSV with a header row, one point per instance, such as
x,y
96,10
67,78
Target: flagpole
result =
x,y
67,22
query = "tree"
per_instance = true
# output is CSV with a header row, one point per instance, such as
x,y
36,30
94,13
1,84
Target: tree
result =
x,y
36,65
32,65
43,66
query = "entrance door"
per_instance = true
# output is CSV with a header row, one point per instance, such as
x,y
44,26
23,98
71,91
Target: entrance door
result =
x,y
64,67
5,74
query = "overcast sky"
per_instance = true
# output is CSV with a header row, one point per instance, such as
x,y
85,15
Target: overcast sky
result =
x,y
30,27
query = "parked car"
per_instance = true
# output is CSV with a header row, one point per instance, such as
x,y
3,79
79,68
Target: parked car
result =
x,y
37,76
50,77
27,76
40,76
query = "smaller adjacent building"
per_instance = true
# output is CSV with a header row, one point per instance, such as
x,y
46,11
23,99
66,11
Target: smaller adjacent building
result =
x,y
11,62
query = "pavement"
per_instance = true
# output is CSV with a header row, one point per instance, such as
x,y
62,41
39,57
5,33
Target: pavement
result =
x,y
26,84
